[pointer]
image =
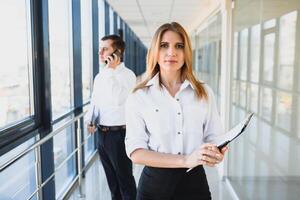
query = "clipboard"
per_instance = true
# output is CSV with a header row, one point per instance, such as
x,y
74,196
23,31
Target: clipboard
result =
x,y
233,133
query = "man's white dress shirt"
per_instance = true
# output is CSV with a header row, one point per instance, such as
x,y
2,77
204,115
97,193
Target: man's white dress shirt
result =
x,y
110,91
159,122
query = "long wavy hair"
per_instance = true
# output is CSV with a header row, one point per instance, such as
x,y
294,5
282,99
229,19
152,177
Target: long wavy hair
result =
x,y
186,70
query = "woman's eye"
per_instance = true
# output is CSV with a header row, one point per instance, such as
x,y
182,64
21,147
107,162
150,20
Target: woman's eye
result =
x,y
179,46
163,45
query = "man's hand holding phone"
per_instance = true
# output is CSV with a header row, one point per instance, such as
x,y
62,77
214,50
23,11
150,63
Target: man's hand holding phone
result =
x,y
114,59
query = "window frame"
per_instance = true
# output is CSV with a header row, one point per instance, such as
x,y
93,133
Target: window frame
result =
x,y
17,133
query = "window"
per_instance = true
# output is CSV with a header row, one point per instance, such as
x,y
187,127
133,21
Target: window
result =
x,y
235,92
287,36
101,19
273,141
111,20
63,146
22,184
284,110
16,82
270,24
266,103
60,56
244,54
253,101
86,48
243,94
269,43
209,53
255,53
235,53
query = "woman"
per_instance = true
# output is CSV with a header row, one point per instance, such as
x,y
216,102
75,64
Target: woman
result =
x,y
171,120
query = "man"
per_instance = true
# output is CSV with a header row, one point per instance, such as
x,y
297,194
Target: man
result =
x,y
111,88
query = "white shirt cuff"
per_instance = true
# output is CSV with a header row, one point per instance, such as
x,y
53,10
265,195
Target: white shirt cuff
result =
x,y
132,145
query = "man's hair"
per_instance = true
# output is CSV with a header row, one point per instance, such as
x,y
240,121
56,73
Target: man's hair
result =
x,y
118,42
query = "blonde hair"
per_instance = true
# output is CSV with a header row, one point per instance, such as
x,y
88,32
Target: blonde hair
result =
x,y
186,70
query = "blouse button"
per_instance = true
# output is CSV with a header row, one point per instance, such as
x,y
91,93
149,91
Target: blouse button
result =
x,y
178,153
178,133
179,113
156,110
177,99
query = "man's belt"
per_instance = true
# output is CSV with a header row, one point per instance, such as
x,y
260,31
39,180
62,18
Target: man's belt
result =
x,y
111,128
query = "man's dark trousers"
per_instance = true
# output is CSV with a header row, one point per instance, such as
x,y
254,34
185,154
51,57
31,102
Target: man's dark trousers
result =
x,y
116,164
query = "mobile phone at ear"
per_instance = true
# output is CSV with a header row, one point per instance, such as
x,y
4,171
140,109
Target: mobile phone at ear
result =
x,y
116,52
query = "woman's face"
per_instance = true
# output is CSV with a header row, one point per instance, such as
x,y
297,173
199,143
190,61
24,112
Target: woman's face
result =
x,y
171,55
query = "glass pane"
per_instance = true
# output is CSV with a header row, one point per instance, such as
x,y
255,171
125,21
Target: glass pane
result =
x,y
284,110
264,163
269,42
16,98
118,22
243,94
266,101
209,53
111,21
86,48
22,184
253,101
60,56
287,35
264,140
255,53
269,24
244,54
7,156
101,19
235,93
63,146
235,57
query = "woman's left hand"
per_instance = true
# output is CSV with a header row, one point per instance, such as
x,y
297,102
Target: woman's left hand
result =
x,y
215,156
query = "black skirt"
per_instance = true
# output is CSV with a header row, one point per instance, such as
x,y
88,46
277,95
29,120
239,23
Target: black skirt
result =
x,y
173,184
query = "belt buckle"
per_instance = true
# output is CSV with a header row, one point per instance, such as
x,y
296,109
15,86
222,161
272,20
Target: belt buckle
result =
x,y
103,129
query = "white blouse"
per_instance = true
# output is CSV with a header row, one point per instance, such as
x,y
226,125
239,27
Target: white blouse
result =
x,y
159,122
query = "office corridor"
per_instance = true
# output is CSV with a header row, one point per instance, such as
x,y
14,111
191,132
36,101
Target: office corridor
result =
x,y
247,51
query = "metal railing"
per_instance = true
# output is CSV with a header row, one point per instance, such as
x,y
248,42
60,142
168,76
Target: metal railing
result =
x,y
36,148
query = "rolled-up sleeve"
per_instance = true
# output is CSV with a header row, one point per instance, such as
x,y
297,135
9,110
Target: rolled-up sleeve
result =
x,y
213,126
136,135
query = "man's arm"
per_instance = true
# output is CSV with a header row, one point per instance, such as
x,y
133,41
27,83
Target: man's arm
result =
x,y
93,111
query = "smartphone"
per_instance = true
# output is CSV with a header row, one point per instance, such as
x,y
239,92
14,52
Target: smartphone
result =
x,y
116,52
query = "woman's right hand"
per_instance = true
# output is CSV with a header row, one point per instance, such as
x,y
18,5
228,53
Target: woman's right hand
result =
x,y
207,154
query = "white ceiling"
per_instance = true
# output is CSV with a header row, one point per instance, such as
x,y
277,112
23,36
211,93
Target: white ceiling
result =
x,y
145,16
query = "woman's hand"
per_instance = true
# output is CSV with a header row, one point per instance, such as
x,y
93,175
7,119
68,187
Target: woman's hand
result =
x,y
207,154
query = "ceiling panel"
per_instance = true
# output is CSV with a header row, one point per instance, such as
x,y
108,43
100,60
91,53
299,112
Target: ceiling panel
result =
x,y
145,16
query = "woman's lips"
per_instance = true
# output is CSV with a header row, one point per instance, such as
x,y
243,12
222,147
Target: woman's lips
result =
x,y
170,61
